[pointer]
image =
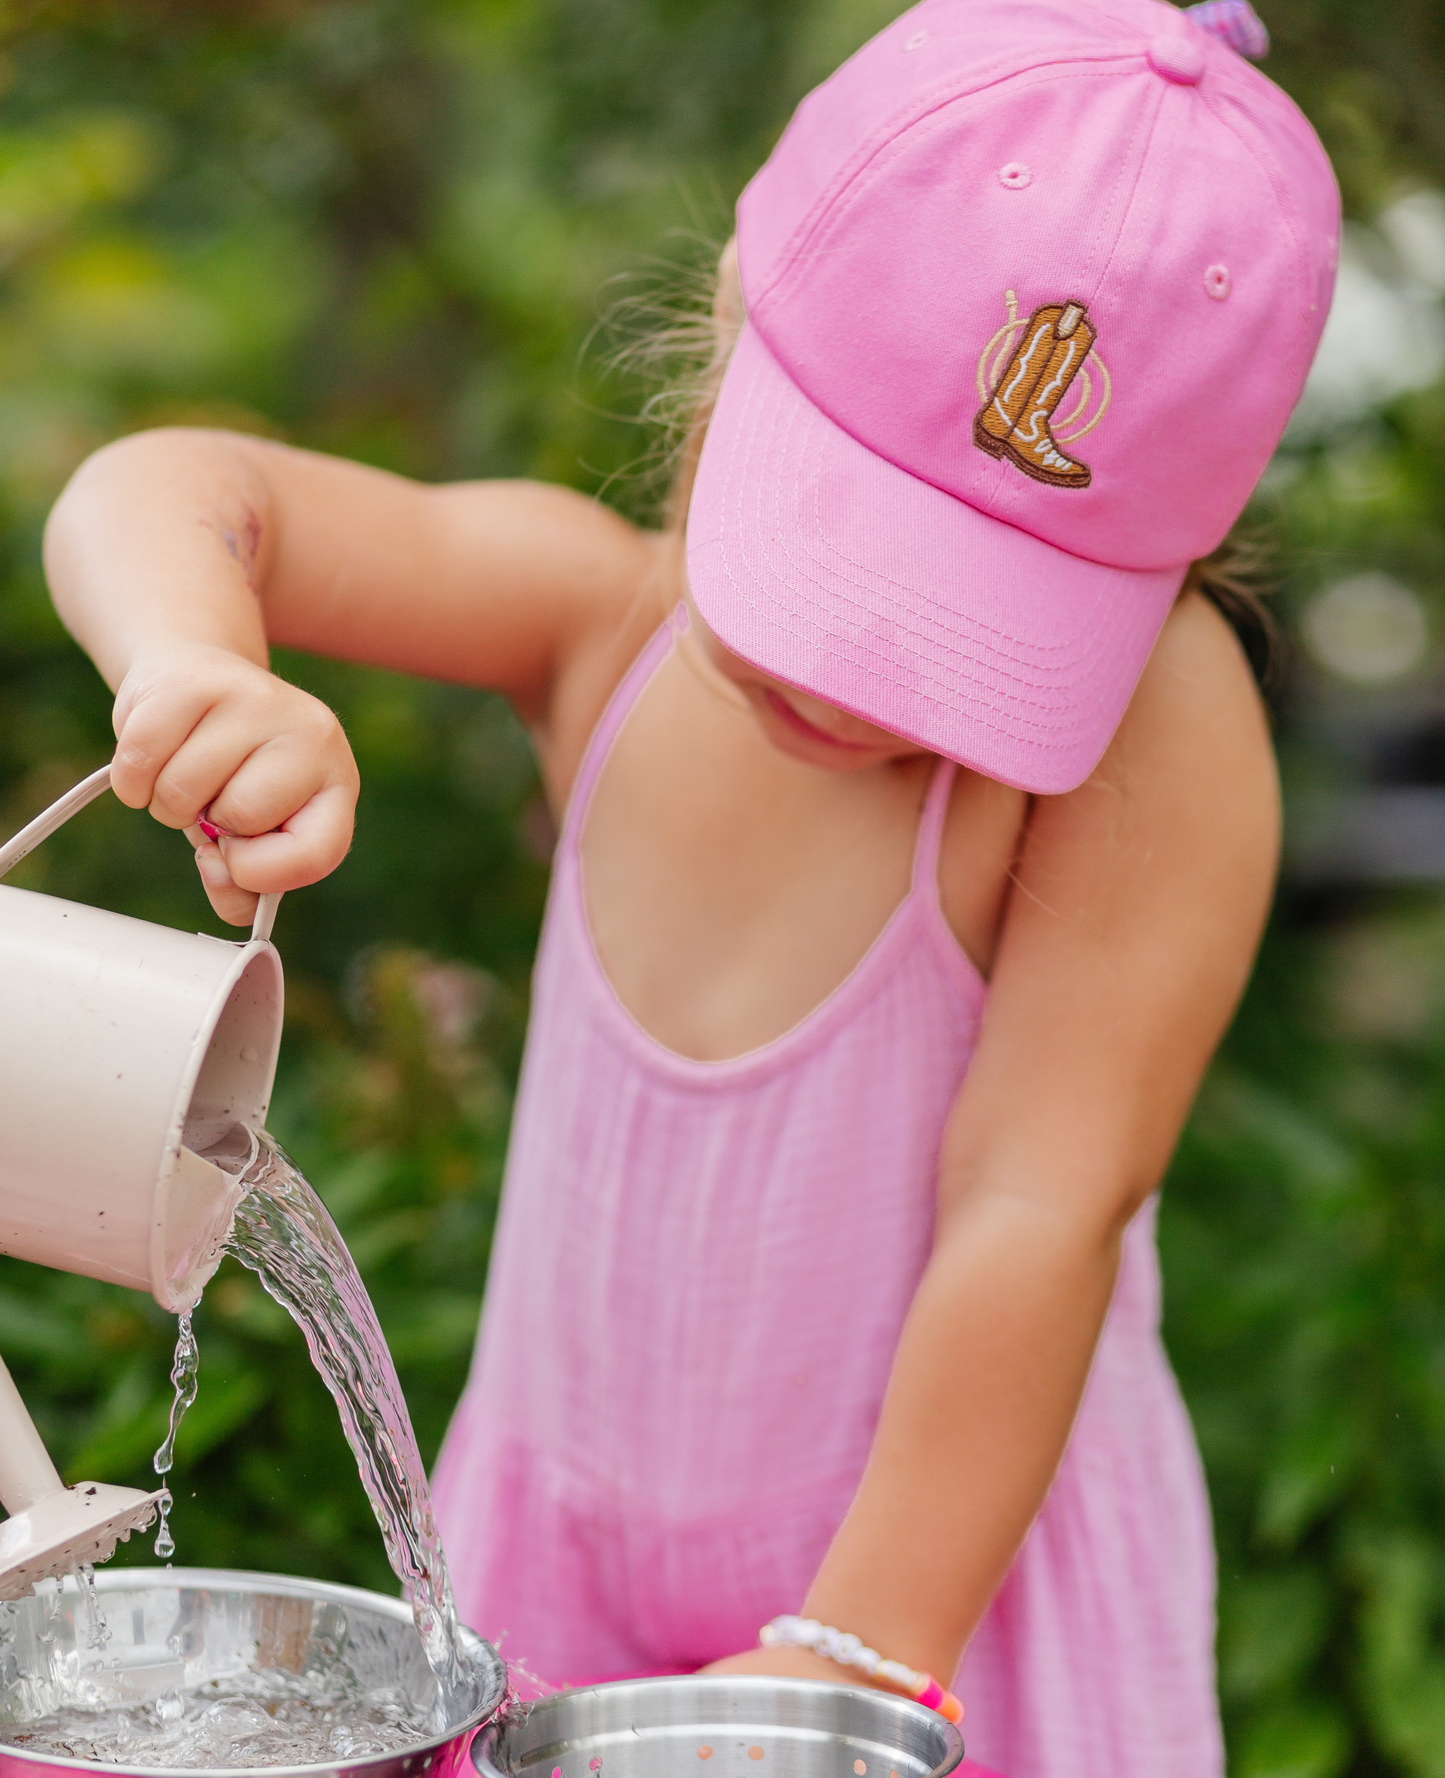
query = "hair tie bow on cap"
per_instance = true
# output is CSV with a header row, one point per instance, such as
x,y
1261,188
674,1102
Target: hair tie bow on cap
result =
x,y
1234,22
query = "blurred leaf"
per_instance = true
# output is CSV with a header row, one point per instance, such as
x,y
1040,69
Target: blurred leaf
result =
x,y
218,1411
1293,1741
1308,1473
130,1425
47,179
29,1329
1403,1679
1271,1628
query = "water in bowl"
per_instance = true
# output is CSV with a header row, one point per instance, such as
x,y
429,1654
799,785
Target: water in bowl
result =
x,y
272,1718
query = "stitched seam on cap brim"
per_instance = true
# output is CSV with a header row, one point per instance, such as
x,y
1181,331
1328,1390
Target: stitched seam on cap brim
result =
x,y
988,635
983,633
1005,726
1013,715
1008,722
918,627
908,117
1006,652
740,458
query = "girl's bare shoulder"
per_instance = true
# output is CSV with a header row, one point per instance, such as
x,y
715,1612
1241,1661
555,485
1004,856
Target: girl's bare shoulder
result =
x,y
1196,716
1189,772
1181,818
618,602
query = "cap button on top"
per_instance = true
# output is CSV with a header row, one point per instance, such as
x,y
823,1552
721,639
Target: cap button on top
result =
x,y
1177,58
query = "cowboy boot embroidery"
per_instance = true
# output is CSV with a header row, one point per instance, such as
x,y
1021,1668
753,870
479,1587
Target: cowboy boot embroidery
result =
x,y
1014,422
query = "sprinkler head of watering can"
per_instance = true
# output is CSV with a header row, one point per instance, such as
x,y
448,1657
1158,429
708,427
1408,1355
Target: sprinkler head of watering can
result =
x,y
53,1529
58,1534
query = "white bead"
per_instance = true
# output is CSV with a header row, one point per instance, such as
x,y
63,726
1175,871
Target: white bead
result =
x,y
835,1645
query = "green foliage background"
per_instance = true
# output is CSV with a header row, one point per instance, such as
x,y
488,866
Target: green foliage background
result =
x,y
388,229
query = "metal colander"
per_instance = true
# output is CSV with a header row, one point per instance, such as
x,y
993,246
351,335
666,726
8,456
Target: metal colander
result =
x,y
721,1727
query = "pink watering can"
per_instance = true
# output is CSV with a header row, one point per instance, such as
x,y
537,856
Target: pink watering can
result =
x,y
129,1053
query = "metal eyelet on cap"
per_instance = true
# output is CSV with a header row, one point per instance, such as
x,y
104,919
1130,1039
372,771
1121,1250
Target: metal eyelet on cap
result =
x,y
1177,58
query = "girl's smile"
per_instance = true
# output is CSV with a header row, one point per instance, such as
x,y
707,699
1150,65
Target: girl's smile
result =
x,y
781,708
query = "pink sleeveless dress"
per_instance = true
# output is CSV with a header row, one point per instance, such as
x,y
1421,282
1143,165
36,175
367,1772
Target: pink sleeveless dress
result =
x,y
698,1281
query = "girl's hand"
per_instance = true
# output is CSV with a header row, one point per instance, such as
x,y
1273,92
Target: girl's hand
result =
x,y
788,1663
202,731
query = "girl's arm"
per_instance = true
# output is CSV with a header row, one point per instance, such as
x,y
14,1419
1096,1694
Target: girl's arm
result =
x,y
1132,924
175,557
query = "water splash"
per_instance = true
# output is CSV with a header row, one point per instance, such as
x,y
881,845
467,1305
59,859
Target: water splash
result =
x,y
97,1630
185,1380
284,1234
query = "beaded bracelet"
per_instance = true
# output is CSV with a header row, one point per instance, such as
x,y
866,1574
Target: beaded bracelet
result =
x,y
850,1651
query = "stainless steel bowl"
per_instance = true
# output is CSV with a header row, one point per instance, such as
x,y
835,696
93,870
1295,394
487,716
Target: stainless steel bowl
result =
x,y
179,1628
719,1728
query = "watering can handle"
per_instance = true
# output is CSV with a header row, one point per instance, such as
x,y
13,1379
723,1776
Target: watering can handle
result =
x,y
72,803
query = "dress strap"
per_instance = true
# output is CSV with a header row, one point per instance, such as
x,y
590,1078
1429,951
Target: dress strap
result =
x,y
619,706
930,828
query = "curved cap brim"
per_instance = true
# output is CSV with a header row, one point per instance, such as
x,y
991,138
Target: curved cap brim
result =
x,y
835,571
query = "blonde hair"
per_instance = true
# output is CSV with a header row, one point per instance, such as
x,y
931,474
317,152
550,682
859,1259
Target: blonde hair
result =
x,y
673,334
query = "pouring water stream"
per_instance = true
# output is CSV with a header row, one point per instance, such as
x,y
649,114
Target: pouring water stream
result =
x,y
284,1233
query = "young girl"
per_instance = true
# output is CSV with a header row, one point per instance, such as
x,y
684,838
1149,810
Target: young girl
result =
x,y
917,833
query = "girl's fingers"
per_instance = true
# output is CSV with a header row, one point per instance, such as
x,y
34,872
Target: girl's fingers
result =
x,y
302,850
233,904
275,783
199,769
149,737
223,776
208,762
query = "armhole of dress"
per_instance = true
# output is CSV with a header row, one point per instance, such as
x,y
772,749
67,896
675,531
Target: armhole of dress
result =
x,y
618,708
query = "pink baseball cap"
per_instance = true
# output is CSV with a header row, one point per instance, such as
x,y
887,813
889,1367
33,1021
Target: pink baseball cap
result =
x,y
1031,288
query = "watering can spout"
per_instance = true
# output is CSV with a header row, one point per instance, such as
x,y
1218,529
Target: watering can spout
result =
x,y
135,1063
